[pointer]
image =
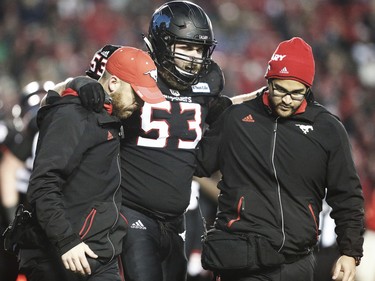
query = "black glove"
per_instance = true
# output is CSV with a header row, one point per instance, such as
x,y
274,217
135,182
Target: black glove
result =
x,y
24,232
217,107
90,92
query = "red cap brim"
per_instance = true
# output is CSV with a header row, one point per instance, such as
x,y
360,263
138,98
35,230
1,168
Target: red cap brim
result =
x,y
149,94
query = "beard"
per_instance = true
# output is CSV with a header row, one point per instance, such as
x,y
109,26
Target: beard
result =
x,y
280,109
120,112
120,109
172,81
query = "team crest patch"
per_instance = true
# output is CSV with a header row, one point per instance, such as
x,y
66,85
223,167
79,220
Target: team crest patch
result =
x,y
305,128
201,87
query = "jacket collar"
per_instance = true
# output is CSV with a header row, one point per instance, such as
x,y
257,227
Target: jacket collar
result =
x,y
307,111
301,109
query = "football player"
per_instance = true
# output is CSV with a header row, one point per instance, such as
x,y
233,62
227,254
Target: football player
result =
x,y
158,152
19,148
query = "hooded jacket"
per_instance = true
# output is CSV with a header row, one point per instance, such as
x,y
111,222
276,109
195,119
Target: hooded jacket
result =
x,y
276,172
74,187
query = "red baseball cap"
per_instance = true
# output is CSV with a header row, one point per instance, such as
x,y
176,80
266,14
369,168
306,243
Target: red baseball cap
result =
x,y
136,67
293,59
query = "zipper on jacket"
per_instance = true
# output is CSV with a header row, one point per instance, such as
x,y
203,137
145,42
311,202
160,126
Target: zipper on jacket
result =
x,y
278,183
87,224
240,207
115,205
315,221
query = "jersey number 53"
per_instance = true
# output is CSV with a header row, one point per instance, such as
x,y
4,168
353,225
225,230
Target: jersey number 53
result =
x,y
164,126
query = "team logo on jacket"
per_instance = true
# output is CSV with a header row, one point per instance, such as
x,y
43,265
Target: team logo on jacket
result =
x,y
305,128
248,119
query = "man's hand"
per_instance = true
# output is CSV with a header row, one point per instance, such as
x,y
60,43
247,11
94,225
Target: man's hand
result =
x,y
217,107
76,261
344,269
90,92
245,97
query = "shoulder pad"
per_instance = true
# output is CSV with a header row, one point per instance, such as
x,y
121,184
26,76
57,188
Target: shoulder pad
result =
x,y
214,78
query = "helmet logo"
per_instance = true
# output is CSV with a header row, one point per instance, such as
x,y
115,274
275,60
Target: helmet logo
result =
x,y
153,73
203,37
162,21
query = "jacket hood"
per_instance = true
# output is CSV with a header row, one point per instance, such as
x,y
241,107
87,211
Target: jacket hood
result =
x,y
53,99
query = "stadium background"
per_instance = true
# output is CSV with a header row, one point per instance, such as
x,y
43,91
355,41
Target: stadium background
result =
x,y
55,39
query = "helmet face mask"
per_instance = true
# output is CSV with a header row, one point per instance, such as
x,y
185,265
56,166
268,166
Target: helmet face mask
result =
x,y
181,23
188,59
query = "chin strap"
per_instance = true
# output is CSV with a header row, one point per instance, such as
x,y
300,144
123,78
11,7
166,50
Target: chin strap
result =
x,y
148,45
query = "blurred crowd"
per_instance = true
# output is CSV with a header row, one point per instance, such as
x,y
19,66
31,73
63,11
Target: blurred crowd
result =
x,y
43,40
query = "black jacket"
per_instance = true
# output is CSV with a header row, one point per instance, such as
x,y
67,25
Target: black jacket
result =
x,y
75,184
276,172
